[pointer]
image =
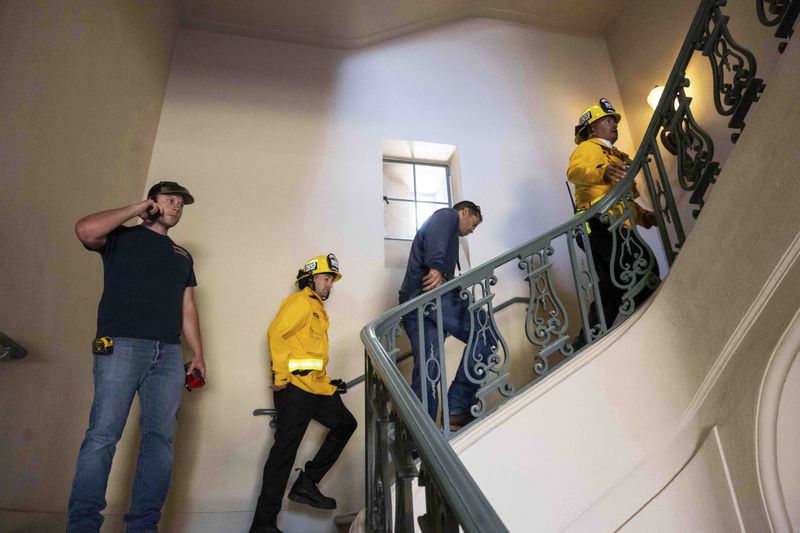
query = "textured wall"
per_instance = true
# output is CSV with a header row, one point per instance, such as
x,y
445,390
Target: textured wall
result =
x,y
81,89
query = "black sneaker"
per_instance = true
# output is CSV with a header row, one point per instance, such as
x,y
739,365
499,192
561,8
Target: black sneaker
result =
x,y
305,491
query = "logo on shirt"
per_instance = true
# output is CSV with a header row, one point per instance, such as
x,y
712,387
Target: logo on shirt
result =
x,y
178,250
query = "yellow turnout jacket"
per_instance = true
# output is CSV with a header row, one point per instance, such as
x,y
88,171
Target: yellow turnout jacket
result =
x,y
587,164
298,341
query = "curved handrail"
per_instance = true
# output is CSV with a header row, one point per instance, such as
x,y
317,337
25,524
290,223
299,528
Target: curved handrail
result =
x,y
674,125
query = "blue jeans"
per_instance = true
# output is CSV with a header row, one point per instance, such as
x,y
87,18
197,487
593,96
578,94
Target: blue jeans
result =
x,y
456,322
154,370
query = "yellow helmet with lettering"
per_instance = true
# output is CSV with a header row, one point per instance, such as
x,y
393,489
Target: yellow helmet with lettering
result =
x,y
602,109
322,264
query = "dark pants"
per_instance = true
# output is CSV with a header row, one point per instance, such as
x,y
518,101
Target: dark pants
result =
x,y
296,408
602,242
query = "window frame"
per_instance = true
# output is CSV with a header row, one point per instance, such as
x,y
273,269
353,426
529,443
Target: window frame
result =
x,y
415,201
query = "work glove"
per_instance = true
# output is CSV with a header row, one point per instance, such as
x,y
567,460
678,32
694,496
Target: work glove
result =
x,y
341,386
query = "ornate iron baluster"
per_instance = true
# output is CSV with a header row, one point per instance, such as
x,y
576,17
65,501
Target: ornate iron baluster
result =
x,y
405,473
664,203
588,294
732,97
546,320
486,353
441,367
389,340
632,261
776,8
694,148
784,15
438,518
378,497
429,368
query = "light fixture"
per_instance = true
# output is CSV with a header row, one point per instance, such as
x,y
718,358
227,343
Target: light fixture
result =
x,y
655,96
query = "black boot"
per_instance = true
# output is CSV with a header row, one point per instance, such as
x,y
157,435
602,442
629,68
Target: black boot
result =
x,y
305,491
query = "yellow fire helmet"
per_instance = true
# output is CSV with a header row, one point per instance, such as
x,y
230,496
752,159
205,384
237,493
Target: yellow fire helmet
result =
x,y
602,109
322,264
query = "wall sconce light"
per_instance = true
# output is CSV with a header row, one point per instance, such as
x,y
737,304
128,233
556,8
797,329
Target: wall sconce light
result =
x,y
655,96
10,349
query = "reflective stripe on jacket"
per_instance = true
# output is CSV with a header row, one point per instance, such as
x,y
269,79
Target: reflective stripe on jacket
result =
x,y
298,341
587,165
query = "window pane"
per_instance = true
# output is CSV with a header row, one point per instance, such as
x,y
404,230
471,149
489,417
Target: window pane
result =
x,y
398,220
425,210
398,180
431,184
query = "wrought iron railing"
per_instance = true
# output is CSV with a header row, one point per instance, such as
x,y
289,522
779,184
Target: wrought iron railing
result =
x,y
398,426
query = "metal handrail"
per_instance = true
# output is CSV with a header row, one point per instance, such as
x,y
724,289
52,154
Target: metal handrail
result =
x,y
390,401
467,501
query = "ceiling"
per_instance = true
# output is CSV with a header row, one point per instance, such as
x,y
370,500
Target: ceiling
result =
x,y
349,24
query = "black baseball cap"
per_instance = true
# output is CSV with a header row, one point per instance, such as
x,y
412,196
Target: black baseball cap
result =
x,y
170,187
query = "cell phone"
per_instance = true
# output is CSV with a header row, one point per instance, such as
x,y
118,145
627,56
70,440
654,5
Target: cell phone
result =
x,y
154,216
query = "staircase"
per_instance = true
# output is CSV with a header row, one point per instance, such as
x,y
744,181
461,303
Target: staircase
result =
x,y
674,419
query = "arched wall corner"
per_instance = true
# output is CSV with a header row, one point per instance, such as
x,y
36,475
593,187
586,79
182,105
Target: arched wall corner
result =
x,y
769,403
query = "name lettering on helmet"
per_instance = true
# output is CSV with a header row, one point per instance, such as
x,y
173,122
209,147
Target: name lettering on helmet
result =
x,y
311,265
585,118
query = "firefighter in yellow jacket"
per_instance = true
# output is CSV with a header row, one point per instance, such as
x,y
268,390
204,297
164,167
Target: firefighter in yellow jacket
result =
x,y
298,345
595,168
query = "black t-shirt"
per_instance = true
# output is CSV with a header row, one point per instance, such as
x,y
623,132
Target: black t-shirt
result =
x,y
145,275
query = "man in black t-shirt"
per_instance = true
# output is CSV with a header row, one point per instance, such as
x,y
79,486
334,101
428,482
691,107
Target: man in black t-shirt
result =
x,y
147,307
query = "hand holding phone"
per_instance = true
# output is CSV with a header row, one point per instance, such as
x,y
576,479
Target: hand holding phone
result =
x,y
151,216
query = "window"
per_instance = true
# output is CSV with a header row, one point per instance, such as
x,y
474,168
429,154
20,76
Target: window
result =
x,y
412,191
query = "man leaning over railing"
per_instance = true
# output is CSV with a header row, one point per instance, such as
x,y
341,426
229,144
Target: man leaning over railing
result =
x,y
432,261
595,168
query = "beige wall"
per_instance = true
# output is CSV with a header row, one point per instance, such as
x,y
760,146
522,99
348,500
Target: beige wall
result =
x,y
81,89
281,145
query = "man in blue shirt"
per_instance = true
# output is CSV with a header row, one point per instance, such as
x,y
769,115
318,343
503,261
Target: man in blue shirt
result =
x,y
432,261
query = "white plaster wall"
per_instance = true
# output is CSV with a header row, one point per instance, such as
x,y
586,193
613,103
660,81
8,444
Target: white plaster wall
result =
x,y
281,146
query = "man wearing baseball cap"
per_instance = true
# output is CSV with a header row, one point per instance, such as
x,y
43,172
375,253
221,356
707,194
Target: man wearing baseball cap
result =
x,y
146,310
